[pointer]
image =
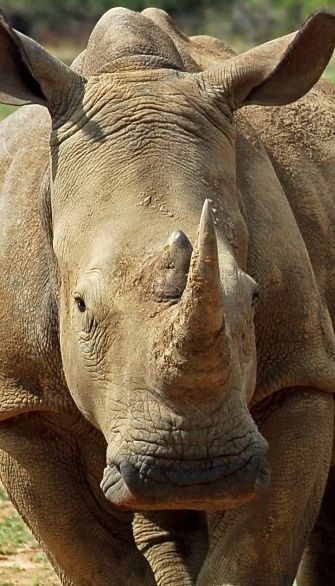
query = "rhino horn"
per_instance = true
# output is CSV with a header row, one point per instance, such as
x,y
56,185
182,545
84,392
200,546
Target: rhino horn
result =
x,y
181,247
192,351
202,301
179,256
171,267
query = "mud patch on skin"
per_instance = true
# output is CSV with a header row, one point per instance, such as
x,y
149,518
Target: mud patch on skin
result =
x,y
22,562
152,200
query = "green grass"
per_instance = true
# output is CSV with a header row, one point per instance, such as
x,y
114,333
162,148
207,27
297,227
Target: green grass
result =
x,y
18,547
14,534
3,495
6,110
330,71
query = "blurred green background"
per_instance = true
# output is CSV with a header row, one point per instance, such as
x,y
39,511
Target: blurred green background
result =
x,y
252,20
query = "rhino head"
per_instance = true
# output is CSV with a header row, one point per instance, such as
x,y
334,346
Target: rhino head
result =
x,y
150,248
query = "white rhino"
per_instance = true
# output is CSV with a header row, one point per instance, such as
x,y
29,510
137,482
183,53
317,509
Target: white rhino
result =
x,y
142,380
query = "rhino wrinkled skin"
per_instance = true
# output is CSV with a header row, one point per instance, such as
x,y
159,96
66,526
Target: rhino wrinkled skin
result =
x,y
168,306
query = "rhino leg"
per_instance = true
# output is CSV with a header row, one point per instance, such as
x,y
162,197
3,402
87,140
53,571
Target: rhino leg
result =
x,y
175,543
261,544
318,562
43,466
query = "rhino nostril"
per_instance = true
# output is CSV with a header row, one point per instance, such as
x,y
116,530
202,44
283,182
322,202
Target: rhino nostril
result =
x,y
129,473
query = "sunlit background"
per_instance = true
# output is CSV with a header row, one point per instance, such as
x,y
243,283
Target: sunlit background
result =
x,y
247,20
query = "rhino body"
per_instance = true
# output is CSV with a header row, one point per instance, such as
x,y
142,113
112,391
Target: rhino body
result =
x,y
129,361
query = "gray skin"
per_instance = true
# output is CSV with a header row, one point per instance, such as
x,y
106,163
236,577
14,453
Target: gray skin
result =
x,y
131,361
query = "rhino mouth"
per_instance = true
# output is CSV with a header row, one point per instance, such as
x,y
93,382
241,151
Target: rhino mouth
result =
x,y
200,460
160,484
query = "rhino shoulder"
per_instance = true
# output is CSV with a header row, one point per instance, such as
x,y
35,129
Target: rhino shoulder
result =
x,y
31,122
287,200
28,328
301,142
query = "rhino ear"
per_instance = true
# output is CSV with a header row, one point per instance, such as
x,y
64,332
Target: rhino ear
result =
x,y
29,74
277,72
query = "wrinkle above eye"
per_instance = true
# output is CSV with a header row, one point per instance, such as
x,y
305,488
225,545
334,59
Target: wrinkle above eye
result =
x,y
88,323
90,286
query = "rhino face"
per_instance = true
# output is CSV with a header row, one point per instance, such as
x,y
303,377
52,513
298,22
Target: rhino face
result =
x,y
158,341
157,337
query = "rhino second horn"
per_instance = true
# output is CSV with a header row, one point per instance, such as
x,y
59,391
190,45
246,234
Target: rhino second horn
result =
x,y
203,295
178,257
180,250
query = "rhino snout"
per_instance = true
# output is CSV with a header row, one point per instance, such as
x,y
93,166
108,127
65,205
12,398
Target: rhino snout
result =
x,y
162,483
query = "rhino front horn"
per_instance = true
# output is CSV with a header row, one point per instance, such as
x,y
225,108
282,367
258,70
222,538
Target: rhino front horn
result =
x,y
203,295
191,350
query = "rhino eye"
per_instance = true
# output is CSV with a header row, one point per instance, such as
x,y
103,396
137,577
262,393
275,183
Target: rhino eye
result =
x,y
80,303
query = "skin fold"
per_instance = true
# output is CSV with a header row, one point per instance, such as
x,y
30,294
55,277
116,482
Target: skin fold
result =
x,y
167,254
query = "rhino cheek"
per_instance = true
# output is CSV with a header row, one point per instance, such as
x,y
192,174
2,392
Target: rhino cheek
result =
x,y
249,369
80,380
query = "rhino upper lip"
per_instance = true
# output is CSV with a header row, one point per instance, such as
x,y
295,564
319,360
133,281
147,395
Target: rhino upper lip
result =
x,y
164,463
209,468
123,485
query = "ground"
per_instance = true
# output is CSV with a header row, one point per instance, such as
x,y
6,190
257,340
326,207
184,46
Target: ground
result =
x,y
22,563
